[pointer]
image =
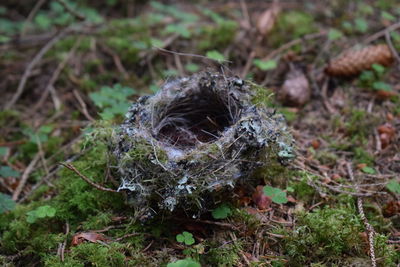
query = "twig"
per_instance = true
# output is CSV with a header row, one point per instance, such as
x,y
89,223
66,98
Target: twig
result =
x,y
83,105
179,65
148,246
392,49
190,55
32,64
55,75
71,10
293,43
31,15
382,33
370,229
99,187
126,236
41,153
64,244
116,59
221,224
248,64
25,177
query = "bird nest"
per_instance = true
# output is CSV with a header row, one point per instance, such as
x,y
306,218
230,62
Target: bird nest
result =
x,y
197,138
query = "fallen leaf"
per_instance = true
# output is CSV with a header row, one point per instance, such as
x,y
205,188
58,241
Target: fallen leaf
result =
x,y
391,208
267,19
88,236
262,201
384,95
361,165
386,134
315,143
296,90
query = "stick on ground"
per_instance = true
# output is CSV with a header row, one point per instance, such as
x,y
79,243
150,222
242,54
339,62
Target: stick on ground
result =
x,y
72,168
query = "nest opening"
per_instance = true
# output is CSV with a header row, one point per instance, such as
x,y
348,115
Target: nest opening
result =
x,y
199,117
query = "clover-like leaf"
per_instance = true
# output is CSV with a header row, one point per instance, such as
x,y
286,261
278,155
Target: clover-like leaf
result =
x,y
186,238
393,186
221,212
277,195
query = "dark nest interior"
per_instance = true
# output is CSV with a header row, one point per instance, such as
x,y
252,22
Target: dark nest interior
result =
x,y
199,117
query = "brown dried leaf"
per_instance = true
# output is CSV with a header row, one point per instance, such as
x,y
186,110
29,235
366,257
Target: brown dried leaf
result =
x,y
87,236
267,19
296,90
262,201
391,208
386,134
385,95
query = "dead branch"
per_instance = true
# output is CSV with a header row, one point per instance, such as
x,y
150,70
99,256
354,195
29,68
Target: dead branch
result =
x,y
25,177
369,228
32,64
99,187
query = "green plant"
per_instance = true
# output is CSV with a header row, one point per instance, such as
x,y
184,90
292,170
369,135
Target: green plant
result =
x,y
41,212
186,238
393,186
368,170
112,101
328,234
277,195
6,171
188,262
215,55
6,203
221,212
265,65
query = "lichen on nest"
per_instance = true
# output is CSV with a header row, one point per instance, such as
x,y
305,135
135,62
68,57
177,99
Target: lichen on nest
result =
x,y
198,136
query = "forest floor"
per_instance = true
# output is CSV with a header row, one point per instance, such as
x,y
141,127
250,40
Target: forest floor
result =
x,y
69,67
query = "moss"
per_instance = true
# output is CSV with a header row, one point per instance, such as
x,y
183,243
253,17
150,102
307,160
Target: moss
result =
x,y
222,255
302,191
92,254
362,156
76,199
326,157
386,254
326,235
359,125
262,97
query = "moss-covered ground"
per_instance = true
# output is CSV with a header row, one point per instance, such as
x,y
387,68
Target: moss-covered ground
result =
x,y
70,70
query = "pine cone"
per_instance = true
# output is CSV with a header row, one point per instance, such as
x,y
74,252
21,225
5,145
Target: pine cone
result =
x,y
353,62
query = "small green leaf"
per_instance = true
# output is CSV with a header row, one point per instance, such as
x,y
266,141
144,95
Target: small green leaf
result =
x,y
186,238
180,238
290,189
40,212
6,203
6,171
388,16
188,262
179,29
379,69
368,170
191,67
3,150
215,55
43,21
393,186
334,34
277,195
221,212
382,86
361,25
265,65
